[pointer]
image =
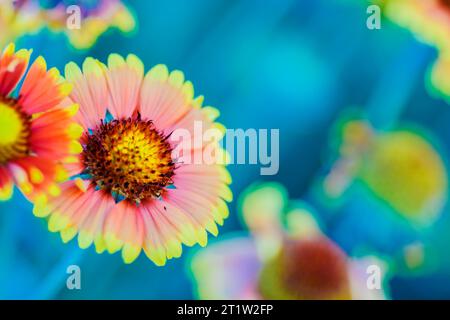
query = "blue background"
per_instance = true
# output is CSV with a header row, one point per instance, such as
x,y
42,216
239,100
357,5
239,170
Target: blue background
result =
x,y
285,64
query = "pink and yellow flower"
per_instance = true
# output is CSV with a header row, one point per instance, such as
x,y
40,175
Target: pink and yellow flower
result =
x,y
82,21
37,133
438,82
15,22
429,20
401,168
129,189
95,18
286,256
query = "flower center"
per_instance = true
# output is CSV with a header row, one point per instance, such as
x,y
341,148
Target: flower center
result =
x,y
445,3
129,158
14,131
307,269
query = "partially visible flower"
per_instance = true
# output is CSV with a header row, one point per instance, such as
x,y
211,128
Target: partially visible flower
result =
x,y
429,20
299,262
400,167
83,21
15,22
307,269
438,80
37,132
132,187
97,16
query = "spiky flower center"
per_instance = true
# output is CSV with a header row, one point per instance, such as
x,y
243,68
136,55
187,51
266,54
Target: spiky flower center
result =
x,y
445,4
129,158
307,269
14,131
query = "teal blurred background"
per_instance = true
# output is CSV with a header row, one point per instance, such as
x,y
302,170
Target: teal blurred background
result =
x,y
291,65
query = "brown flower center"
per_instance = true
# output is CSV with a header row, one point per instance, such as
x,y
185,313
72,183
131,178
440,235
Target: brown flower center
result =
x,y
129,158
307,269
445,4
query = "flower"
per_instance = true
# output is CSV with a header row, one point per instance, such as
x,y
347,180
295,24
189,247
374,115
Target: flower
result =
x,y
292,262
87,19
399,167
83,21
37,133
437,80
15,21
430,22
131,188
306,269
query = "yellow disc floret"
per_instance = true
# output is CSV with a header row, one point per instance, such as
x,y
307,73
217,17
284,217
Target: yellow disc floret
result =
x,y
408,173
129,158
14,131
